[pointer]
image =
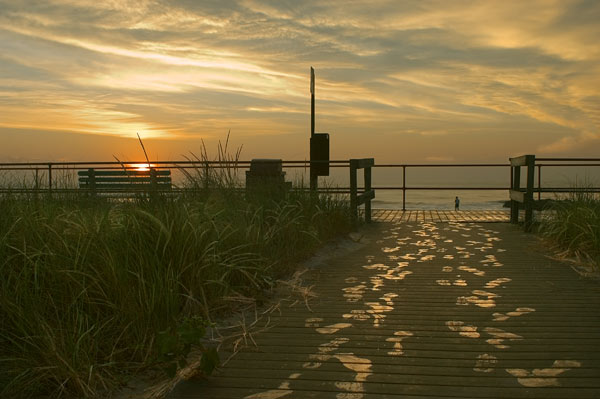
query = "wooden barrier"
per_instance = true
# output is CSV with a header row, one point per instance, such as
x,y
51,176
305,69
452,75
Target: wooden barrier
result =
x,y
368,194
517,195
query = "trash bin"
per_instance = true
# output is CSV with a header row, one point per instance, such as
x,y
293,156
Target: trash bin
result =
x,y
266,176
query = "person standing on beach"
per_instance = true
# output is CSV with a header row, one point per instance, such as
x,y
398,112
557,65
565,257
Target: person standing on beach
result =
x,y
456,203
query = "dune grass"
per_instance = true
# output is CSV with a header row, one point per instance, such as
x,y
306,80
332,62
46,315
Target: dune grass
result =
x,y
94,290
573,226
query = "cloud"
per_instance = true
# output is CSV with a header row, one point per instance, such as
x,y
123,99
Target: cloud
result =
x,y
178,69
584,144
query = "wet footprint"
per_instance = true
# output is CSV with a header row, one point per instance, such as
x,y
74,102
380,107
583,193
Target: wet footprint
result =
x,y
543,377
517,312
485,363
462,329
397,340
499,336
333,328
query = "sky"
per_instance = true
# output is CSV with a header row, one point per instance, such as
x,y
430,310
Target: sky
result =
x,y
400,81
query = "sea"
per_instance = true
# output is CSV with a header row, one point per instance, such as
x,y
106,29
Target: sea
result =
x,y
445,178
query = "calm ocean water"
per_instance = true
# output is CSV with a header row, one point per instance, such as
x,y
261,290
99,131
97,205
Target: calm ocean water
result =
x,y
457,177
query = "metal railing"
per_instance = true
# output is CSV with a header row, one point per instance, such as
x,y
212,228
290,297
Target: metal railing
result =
x,y
46,173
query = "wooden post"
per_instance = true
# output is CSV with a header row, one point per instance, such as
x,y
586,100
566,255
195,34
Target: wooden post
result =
x,y
530,160
367,189
353,190
92,181
539,182
206,171
49,178
403,187
516,185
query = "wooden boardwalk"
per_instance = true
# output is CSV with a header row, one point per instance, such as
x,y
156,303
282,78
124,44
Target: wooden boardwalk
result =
x,y
427,310
421,215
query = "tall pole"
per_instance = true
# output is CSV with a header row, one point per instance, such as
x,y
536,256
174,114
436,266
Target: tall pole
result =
x,y
313,173
312,102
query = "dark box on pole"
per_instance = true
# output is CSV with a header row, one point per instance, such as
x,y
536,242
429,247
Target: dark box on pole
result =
x,y
319,152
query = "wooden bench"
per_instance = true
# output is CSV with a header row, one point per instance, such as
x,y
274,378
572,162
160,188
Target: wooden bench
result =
x,y
124,181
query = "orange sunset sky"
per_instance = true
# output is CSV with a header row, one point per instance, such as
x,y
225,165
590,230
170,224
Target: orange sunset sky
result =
x,y
402,81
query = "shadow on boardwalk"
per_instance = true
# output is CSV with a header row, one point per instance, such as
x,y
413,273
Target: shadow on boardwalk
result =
x,y
428,310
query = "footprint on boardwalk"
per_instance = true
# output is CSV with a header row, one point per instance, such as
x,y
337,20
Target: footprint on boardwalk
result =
x,y
377,311
462,329
397,340
473,270
485,363
333,328
280,392
354,294
324,351
543,377
482,299
388,298
517,312
500,336
357,314
312,322
497,282
362,368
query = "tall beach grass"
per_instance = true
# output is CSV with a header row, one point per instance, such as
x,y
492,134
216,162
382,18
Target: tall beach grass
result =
x,y
573,226
89,284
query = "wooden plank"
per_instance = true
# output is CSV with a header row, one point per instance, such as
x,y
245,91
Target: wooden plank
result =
x,y
364,162
519,161
125,186
128,172
125,179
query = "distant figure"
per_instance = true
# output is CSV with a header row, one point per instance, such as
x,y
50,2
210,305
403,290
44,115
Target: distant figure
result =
x,y
456,203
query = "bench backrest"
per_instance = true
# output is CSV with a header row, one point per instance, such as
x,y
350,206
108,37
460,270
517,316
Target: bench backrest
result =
x,y
125,180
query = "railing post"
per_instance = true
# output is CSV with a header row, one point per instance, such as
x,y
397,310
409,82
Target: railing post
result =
x,y
206,170
516,185
403,187
353,190
367,189
92,180
539,182
530,160
49,178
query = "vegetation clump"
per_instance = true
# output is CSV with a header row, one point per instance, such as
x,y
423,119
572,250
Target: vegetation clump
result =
x,y
573,225
93,289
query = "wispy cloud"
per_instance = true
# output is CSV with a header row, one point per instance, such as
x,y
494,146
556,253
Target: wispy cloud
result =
x,y
402,72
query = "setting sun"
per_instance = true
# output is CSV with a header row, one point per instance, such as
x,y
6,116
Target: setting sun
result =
x,y
141,166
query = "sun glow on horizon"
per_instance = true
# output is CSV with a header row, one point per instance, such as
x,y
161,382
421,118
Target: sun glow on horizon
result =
x,y
141,167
